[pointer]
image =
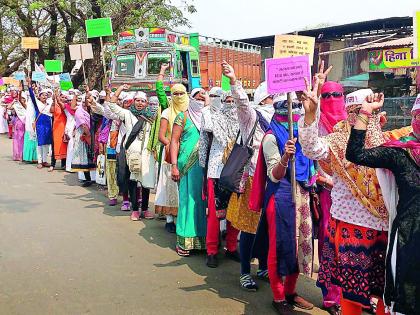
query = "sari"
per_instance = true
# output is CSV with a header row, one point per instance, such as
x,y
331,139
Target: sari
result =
x,y
59,125
191,222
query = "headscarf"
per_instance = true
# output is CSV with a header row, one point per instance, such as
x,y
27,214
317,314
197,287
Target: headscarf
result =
x,y
261,93
225,122
216,102
411,143
153,143
82,117
177,104
194,112
20,110
195,91
149,112
305,168
332,108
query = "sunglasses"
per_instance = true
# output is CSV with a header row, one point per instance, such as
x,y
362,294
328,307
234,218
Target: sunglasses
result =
x,y
214,96
331,94
229,102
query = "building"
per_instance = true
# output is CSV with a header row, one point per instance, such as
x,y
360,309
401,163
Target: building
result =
x,y
364,54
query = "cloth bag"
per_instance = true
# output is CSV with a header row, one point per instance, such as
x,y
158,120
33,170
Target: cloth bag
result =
x,y
100,177
232,172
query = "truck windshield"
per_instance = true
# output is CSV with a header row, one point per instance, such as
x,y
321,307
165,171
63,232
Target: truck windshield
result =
x,y
126,65
154,62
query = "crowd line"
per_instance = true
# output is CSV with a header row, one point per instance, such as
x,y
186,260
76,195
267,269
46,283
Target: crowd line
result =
x,y
215,156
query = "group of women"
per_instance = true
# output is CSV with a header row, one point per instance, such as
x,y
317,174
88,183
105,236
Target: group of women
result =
x,y
357,187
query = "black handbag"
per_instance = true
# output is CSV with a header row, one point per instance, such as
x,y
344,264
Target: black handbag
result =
x,y
232,172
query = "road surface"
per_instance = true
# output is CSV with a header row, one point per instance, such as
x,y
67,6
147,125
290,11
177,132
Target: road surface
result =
x,y
63,250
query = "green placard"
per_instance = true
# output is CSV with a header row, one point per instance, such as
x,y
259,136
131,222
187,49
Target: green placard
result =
x,y
66,85
53,66
99,27
225,83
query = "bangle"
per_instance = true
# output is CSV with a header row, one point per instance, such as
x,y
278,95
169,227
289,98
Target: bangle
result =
x,y
365,121
365,112
285,166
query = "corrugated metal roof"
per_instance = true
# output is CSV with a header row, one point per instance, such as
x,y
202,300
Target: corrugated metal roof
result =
x,y
400,42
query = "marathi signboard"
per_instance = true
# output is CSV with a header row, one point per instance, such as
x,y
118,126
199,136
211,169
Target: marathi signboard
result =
x,y
294,45
416,34
99,27
392,59
287,74
30,43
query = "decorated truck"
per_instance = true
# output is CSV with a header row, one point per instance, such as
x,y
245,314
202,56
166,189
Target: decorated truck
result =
x,y
194,60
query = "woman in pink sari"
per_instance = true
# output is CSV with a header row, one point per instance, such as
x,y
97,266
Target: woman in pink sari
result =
x,y
19,107
332,111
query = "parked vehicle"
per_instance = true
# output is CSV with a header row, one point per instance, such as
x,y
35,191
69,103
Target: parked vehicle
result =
x,y
195,60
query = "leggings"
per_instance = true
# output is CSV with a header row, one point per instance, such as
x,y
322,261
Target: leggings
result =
x,y
280,288
134,194
246,245
87,176
42,151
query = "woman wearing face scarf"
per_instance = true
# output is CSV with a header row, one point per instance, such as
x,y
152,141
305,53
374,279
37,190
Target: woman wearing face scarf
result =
x,y
43,124
402,198
288,224
138,120
191,222
83,155
356,236
238,212
224,130
166,203
332,111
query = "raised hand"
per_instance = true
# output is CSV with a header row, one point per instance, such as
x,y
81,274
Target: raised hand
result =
x,y
373,102
125,87
322,75
228,71
310,101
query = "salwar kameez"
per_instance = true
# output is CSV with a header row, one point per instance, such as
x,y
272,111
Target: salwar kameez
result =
x,y
191,223
59,125
83,154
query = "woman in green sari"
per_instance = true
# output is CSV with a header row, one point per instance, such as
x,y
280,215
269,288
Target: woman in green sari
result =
x,y
191,223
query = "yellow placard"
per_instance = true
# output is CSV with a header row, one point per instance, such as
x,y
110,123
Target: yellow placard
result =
x,y
294,45
416,34
11,81
30,42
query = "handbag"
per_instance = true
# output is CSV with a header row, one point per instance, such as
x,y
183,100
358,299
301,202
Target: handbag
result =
x,y
232,172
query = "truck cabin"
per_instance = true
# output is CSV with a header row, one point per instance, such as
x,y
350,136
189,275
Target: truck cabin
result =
x,y
138,60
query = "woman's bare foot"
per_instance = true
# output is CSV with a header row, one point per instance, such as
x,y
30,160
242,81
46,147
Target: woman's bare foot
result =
x,y
51,169
39,166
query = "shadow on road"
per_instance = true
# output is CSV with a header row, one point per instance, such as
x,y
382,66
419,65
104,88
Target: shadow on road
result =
x,y
224,280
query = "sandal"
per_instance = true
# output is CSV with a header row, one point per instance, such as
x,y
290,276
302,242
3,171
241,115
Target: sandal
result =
x,y
299,302
247,283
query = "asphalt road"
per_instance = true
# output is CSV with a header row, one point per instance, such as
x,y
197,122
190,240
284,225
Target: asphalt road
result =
x,y
64,251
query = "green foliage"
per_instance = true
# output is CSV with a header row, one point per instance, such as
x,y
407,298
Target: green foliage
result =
x,y
61,22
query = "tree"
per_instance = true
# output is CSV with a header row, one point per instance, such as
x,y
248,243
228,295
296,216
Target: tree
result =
x,y
59,23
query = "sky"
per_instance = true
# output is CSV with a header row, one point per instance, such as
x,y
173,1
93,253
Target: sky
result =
x,y
238,19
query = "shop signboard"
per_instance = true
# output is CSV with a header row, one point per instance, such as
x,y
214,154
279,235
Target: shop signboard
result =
x,y
392,59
